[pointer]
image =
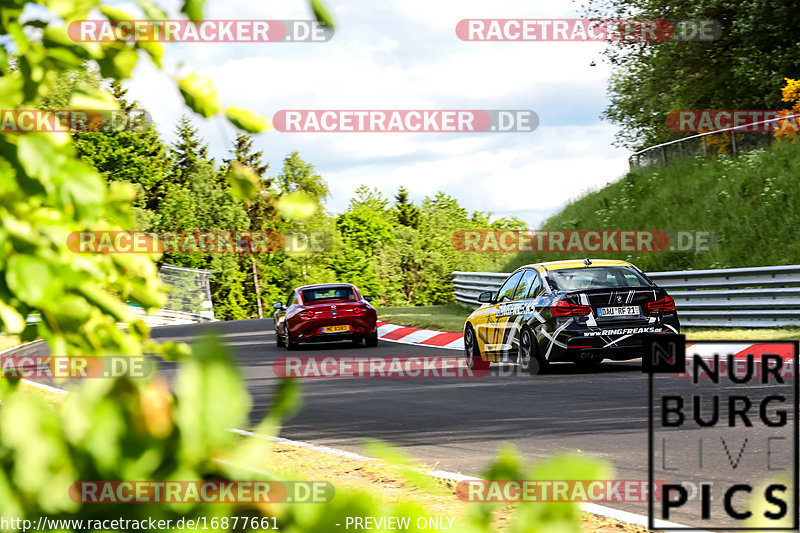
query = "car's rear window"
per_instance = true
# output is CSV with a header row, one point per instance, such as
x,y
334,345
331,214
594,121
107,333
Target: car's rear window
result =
x,y
328,293
606,277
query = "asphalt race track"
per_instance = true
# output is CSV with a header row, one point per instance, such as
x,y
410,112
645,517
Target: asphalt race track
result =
x,y
458,424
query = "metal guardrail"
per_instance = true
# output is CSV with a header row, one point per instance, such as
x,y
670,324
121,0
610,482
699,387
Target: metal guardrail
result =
x,y
168,317
162,317
730,297
668,151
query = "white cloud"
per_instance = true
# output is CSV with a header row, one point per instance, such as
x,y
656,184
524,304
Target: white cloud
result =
x,y
404,54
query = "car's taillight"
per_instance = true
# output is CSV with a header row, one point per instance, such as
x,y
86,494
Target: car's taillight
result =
x,y
564,308
357,310
664,304
309,314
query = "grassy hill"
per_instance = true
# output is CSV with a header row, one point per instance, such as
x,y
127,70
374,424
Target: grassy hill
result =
x,y
752,204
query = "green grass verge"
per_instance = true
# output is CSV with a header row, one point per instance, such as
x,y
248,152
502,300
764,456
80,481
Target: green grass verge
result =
x,y
451,318
751,203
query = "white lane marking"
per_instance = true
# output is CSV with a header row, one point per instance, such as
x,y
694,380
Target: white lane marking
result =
x,y
631,518
42,386
306,445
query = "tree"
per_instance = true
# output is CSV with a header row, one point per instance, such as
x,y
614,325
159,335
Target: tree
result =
x,y
406,212
742,69
366,224
188,151
261,210
133,154
299,176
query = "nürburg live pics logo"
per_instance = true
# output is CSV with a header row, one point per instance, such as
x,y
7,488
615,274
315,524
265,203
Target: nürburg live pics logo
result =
x,y
723,434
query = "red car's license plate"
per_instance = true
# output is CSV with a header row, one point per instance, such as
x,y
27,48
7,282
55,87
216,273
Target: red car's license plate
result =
x,y
335,329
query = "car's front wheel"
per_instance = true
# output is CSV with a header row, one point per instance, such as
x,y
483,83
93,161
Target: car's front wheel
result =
x,y
372,340
290,344
279,342
471,352
528,358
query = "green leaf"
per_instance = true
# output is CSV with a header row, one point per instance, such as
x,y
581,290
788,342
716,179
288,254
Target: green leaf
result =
x,y
71,311
296,205
104,301
31,280
154,49
35,153
211,398
247,120
71,9
91,98
322,14
114,14
152,10
243,182
119,61
10,91
199,94
13,322
193,9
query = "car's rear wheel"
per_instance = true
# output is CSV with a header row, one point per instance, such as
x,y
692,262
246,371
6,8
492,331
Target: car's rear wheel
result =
x,y
471,352
356,340
372,340
528,357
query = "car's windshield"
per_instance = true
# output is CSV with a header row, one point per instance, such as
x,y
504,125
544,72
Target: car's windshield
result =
x,y
605,277
328,293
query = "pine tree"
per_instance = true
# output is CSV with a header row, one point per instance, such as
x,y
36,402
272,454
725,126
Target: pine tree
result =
x,y
188,150
407,213
244,155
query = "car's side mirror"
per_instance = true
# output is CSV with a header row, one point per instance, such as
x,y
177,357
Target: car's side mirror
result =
x,y
368,298
486,297
277,305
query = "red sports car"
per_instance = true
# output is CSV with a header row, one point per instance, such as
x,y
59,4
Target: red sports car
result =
x,y
327,312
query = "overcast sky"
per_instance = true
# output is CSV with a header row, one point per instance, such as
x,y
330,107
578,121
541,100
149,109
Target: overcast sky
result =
x,y
404,54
